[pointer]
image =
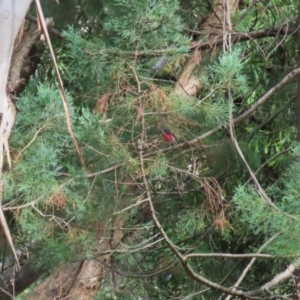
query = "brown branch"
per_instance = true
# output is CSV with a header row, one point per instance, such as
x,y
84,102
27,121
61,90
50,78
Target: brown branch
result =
x,y
272,284
60,83
238,37
52,30
174,248
229,255
252,261
259,188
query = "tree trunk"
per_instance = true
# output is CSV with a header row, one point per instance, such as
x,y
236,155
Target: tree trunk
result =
x,y
12,14
15,68
82,280
214,27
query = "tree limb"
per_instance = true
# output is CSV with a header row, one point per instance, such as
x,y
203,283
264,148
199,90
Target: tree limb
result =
x,y
52,30
272,284
252,262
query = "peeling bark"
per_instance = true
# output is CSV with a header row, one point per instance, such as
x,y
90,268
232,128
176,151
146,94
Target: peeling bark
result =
x,y
16,44
22,64
12,14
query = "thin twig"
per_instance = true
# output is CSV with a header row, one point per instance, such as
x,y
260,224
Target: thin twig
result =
x,y
251,263
267,161
60,83
229,255
32,140
130,206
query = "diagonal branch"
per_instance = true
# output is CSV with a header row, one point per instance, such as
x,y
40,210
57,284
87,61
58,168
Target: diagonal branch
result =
x,y
60,83
252,261
272,284
247,114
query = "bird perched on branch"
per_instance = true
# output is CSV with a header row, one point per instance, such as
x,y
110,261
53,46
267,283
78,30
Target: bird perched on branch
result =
x,y
169,137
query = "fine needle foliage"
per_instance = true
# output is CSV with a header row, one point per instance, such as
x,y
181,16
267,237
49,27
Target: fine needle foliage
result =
x,y
131,70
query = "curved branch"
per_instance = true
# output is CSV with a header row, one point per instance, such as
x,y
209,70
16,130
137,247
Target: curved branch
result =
x,y
229,255
173,247
252,261
248,113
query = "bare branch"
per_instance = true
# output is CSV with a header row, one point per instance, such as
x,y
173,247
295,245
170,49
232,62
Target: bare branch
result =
x,y
272,284
251,263
229,255
238,37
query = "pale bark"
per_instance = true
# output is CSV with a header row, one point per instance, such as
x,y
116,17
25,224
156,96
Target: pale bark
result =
x,y
15,46
12,14
188,83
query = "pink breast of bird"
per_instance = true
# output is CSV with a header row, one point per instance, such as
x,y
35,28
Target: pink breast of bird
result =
x,y
169,137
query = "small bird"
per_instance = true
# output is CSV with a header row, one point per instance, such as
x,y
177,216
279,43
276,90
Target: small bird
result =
x,y
169,137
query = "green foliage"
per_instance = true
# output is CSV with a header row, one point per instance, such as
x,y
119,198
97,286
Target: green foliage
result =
x,y
215,113
225,161
144,25
158,168
198,189
191,222
43,152
261,218
228,73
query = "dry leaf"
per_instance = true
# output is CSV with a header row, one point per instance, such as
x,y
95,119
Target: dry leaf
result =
x,y
102,104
